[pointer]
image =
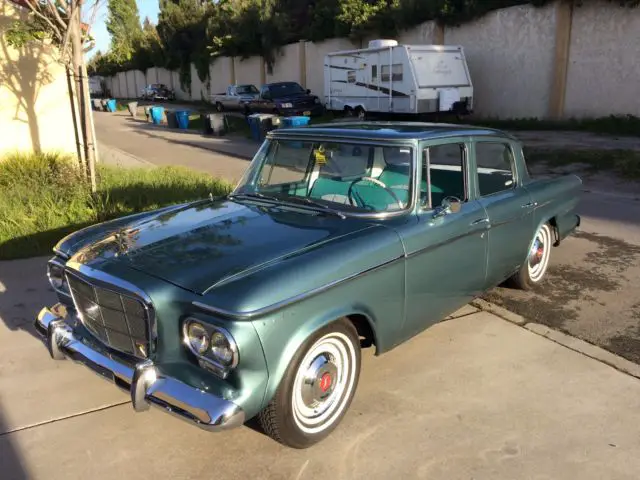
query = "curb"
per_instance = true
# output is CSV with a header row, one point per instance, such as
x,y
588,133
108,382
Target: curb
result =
x,y
499,311
572,343
109,155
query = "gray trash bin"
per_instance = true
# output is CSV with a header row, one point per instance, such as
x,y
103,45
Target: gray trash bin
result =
x,y
214,124
133,108
172,121
103,104
147,112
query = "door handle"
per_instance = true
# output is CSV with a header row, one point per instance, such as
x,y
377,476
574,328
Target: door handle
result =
x,y
479,221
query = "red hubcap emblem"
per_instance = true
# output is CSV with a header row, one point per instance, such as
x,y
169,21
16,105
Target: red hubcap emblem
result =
x,y
325,382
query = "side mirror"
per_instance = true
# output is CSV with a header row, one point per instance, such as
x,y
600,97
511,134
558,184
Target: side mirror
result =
x,y
308,91
448,206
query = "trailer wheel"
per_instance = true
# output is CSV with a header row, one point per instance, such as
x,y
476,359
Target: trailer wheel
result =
x,y
348,112
360,113
219,107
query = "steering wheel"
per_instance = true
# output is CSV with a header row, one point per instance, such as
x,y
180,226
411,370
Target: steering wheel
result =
x,y
375,181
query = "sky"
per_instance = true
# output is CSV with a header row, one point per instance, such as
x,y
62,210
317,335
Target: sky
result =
x,y
147,8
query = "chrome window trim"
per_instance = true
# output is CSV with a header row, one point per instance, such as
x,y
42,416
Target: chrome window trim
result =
x,y
222,370
291,300
413,144
60,253
119,287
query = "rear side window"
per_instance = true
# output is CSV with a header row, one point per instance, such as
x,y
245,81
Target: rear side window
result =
x,y
495,167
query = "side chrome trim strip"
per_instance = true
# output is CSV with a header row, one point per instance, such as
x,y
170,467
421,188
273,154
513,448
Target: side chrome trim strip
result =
x,y
289,301
474,231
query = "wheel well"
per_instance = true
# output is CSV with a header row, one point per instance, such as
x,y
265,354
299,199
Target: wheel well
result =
x,y
553,222
364,329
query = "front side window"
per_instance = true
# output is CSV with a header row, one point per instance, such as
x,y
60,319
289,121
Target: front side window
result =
x,y
346,176
446,173
495,167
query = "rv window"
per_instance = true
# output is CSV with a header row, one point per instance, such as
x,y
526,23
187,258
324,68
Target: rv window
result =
x,y
396,72
351,76
374,72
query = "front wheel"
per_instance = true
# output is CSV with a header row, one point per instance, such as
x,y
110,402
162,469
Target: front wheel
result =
x,y
533,271
317,388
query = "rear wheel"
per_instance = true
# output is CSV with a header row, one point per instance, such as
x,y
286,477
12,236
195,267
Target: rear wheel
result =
x,y
360,113
533,271
317,388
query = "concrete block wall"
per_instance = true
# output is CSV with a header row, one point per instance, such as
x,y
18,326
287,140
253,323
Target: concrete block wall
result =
x,y
510,54
520,65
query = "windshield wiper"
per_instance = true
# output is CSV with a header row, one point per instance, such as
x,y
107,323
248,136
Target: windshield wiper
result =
x,y
254,195
313,203
290,200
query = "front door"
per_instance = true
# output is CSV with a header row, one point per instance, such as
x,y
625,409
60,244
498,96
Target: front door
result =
x,y
508,205
446,256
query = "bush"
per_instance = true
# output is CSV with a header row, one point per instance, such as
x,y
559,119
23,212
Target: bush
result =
x,y
43,197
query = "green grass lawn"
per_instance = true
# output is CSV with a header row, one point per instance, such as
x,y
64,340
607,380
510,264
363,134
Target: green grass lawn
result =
x,y
44,197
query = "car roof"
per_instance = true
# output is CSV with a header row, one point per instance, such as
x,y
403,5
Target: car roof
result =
x,y
390,131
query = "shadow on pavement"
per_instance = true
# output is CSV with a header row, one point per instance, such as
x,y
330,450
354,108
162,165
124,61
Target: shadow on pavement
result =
x,y
24,290
12,464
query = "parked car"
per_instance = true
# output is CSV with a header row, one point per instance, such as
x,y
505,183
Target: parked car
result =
x,y
339,237
157,91
286,99
235,97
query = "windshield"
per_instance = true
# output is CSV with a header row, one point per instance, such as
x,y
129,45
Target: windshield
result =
x,y
244,89
349,177
285,89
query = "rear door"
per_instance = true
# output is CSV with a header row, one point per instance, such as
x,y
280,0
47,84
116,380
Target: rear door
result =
x,y
508,206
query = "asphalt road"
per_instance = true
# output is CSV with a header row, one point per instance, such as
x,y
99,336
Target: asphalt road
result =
x,y
593,281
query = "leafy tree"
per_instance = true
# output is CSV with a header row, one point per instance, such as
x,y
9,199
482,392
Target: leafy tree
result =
x,y
123,24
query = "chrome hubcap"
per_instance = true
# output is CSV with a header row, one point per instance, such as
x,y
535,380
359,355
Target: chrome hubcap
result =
x,y
539,254
319,382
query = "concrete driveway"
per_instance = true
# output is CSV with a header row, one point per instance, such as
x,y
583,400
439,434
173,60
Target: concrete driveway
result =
x,y
472,397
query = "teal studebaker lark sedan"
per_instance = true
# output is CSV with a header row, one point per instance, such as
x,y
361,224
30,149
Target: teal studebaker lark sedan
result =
x,y
338,237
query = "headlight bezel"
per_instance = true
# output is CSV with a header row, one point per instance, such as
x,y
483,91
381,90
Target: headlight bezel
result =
x,y
207,359
61,287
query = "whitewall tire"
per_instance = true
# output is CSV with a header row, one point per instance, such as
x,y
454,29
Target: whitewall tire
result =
x,y
317,388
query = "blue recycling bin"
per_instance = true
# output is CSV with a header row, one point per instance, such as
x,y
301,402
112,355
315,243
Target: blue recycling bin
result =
x,y
182,117
111,105
254,126
300,121
156,115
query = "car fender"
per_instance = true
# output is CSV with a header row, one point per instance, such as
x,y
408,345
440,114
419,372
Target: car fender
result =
x,y
305,331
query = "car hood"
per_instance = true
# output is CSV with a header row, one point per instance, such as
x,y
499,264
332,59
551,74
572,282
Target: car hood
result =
x,y
202,245
295,97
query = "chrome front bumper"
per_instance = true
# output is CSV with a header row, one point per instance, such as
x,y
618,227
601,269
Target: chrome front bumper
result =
x,y
145,381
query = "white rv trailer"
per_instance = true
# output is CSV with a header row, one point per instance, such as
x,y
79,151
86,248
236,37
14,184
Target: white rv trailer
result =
x,y
387,77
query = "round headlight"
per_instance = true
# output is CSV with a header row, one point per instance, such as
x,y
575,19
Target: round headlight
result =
x,y
221,348
197,337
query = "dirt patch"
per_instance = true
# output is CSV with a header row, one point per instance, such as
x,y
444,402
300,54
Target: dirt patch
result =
x,y
588,293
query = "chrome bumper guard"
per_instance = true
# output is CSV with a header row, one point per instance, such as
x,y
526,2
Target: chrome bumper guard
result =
x,y
145,381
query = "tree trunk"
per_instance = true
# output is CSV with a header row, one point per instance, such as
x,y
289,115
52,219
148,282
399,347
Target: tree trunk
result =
x,y
82,95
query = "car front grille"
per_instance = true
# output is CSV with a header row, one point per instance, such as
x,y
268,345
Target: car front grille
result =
x,y
118,320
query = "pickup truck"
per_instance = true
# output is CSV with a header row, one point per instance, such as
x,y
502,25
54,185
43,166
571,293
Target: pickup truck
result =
x,y
286,99
338,237
235,97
